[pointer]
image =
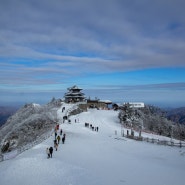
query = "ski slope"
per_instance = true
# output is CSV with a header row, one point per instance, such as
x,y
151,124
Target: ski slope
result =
x,y
96,158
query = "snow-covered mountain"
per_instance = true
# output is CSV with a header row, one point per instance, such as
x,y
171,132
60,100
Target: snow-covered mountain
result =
x,y
89,157
33,121
29,123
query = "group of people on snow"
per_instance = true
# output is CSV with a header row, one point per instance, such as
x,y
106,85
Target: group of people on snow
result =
x,y
93,128
57,139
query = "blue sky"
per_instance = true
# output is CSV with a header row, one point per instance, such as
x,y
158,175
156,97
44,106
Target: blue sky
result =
x,y
122,50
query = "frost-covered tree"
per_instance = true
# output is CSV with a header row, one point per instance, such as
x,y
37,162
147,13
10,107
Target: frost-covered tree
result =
x,y
152,119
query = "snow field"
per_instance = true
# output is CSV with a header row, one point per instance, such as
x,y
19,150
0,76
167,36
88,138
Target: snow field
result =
x,y
96,158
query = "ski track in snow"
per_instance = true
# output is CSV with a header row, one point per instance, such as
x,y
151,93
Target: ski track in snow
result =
x,y
95,158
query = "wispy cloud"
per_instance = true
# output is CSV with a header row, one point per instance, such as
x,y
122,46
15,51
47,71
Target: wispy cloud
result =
x,y
161,86
117,30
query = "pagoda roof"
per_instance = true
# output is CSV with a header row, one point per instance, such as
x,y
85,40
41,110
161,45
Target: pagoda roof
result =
x,y
70,96
75,87
74,93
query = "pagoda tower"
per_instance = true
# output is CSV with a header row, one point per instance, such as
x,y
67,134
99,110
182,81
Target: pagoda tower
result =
x,y
74,95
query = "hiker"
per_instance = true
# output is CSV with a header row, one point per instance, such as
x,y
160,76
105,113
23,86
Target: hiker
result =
x,y
60,131
63,138
63,109
55,135
56,146
55,128
58,139
51,151
55,142
64,118
48,152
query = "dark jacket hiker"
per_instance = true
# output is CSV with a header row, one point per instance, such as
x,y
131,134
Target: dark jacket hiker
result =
x,y
63,138
51,151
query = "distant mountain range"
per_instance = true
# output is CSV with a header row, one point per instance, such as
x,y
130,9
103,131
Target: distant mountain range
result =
x,y
177,115
6,112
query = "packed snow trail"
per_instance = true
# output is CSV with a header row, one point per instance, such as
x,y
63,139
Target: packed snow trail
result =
x,y
95,158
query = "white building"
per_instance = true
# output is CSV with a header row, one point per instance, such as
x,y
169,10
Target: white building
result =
x,y
136,104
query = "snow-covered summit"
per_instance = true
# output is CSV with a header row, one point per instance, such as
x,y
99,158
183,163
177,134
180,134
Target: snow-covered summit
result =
x,y
91,157
28,123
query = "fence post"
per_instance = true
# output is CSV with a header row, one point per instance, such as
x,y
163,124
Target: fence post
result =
x,y
180,144
127,133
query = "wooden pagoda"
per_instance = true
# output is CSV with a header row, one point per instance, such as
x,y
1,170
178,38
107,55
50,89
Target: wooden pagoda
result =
x,y
74,95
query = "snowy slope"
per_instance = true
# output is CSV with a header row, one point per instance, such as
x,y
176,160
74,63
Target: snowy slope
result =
x,y
96,158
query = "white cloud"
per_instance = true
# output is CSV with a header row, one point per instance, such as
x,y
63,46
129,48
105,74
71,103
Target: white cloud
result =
x,y
59,41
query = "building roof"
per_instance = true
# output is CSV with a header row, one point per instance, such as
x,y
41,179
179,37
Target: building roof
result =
x,y
75,87
74,93
105,101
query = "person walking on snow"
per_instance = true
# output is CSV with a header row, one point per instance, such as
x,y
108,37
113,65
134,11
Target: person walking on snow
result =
x,y
63,138
58,139
60,131
51,151
55,141
55,134
57,127
56,146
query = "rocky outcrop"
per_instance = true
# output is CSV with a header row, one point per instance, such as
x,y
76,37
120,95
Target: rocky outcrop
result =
x,y
28,124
